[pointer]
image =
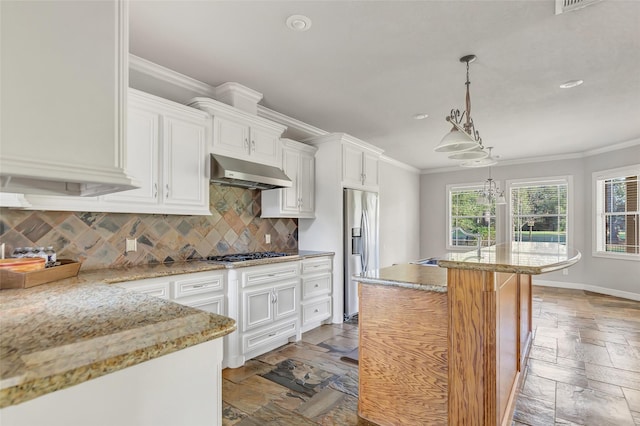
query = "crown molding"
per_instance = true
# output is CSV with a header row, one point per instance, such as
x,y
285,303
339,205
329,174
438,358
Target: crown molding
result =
x,y
170,76
529,160
399,164
290,122
614,147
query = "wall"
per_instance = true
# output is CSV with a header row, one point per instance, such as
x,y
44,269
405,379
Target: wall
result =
x,y
97,239
399,214
616,277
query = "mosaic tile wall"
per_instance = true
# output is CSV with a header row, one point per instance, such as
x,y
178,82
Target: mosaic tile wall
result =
x,y
98,239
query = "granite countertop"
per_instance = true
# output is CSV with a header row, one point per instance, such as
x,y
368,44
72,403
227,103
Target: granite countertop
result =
x,y
408,275
300,255
522,258
61,334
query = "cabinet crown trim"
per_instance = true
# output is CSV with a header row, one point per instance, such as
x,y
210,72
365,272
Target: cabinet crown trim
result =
x,y
142,99
346,138
216,108
290,143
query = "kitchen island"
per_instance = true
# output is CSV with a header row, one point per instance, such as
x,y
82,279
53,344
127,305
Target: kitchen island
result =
x,y
447,344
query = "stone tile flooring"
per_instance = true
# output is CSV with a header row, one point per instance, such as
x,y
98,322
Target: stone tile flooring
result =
x,y
583,369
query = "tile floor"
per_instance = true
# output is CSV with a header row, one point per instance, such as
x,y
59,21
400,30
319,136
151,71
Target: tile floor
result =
x,y
583,369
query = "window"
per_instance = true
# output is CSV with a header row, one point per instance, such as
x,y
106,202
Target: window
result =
x,y
539,210
466,216
616,213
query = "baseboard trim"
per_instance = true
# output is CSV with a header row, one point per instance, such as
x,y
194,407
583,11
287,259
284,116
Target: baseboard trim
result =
x,y
588,287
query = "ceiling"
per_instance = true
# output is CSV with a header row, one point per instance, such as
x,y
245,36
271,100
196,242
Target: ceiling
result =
x,y
367,67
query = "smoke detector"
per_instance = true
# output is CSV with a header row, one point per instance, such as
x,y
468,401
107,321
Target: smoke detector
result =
x,y
563,6
298,23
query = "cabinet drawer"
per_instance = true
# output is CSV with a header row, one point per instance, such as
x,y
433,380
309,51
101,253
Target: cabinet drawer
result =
x,y
316,285
205,283
214,304
269,274
152,287
316,311
254,341
312,266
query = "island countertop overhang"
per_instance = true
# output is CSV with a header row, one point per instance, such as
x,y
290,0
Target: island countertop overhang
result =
x,y
516,257
519,258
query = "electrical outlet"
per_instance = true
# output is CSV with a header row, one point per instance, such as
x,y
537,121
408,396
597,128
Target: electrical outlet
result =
x,y
565,271
267,238
131,244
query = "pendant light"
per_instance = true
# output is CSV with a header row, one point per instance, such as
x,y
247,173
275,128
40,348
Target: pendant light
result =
x,y
463,136
488,160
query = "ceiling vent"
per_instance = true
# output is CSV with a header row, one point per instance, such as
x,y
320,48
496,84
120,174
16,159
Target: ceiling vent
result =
x,y
563,6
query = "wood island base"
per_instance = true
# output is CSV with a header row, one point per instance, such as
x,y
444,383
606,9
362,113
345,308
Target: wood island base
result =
x,y
444,357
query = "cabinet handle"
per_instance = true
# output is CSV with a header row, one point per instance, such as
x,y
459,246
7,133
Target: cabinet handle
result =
x,y
198,285
272,334
316,311
155,190
246,144
253,146
167,188
316,286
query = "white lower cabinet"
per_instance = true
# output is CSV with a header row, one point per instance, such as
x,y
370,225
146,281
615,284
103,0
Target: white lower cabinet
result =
x,y
202,290
268,307
272,304
316,277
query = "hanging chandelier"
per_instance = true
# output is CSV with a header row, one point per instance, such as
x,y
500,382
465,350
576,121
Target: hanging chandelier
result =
x,y
491,193
463,142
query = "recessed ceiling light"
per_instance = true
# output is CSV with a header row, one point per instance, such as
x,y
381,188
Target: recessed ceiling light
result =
x,y
298,23
421,116
571,83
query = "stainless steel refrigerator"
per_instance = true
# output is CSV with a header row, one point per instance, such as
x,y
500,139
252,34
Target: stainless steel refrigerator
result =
x,y
360,242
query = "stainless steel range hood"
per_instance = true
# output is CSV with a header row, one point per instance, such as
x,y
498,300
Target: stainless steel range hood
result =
x,y
245,174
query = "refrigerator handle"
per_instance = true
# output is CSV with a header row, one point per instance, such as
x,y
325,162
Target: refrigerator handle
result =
x,y
365,241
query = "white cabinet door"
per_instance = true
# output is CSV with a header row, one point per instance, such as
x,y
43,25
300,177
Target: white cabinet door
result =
x,y
143,157
290,196
370,170
230,137
264,146
258,308
214,305
306,185
351,166
185,178
298,163
286,300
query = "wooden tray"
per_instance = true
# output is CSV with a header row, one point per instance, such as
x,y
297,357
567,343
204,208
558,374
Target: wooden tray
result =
x,y
68,268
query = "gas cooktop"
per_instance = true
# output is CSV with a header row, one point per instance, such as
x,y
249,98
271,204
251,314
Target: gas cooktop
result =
x,y
241,257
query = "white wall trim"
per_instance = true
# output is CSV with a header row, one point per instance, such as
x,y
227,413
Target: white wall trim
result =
x,y
290,122
613,147
170,76
587,287
399,164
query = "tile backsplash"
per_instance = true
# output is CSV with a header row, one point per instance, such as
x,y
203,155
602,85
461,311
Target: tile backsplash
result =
x,y
98,239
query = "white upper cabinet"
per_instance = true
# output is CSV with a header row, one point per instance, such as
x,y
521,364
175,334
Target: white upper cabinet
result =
x,y
167,150
167,153
298,163
64,85
359,167
185,176
143,153
242,135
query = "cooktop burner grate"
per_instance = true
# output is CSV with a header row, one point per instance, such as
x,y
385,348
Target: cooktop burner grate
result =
x,y
241,257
